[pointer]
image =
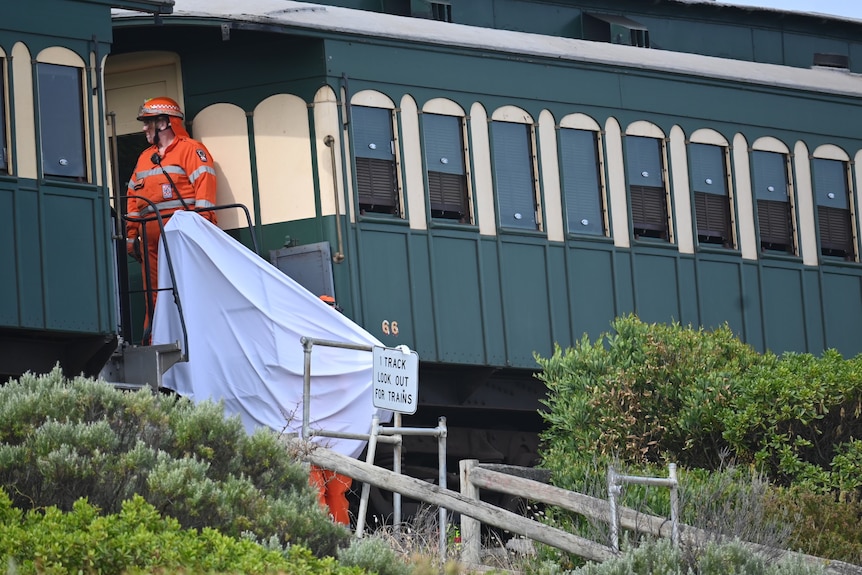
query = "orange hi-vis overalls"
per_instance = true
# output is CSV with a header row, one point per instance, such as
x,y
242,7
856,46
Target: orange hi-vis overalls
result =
x,y
190,167
332,490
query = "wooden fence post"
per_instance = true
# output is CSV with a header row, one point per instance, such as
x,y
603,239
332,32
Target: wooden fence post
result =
x,y
471,533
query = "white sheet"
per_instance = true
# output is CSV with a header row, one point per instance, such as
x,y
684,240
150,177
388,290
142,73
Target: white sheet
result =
x,y
245,319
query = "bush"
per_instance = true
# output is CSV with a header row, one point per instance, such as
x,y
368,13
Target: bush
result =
x,y
661,558
644,395
373,554
136,540
653,394
63,440
829,528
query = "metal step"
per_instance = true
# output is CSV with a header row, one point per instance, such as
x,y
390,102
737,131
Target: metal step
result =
x,y
135,367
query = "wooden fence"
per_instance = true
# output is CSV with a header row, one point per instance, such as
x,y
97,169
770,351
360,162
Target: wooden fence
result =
x,y
475,477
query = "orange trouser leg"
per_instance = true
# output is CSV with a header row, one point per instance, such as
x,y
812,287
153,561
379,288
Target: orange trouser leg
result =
x,y
332,490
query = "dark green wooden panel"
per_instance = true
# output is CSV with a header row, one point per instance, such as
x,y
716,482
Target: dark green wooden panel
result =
x,y
71,278
814,336
8,278
799,49
492,301
425,328
719,284
656,288
523,272
623,281
842,311
383,268
591,273
560,313
768,46
29,246
751,305
687,286
456,300
783,309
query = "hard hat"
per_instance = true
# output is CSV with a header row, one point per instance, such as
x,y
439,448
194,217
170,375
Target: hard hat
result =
x,y
328,299
161,106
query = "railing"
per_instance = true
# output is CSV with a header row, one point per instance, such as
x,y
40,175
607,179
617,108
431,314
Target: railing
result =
x,y
475,476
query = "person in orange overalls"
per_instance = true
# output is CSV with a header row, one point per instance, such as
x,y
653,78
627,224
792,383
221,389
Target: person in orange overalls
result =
x,y
174,173
332,487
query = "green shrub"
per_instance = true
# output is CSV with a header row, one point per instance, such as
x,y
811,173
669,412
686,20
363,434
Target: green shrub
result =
x,y
136,540
646,394
62,440
373,554
798,418
643,396
661,558
829,528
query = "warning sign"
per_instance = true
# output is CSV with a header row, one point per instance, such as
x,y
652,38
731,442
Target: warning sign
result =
x,y
396,379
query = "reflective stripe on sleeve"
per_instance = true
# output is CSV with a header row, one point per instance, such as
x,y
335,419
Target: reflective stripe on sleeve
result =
x,y
201,171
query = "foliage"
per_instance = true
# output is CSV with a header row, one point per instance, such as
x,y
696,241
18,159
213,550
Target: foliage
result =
x,y
661,558
798,418
374,555
652,394
137,540
643,396
829,528
62,440
646,394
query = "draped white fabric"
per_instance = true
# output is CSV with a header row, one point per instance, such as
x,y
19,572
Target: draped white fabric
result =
x,y
245,319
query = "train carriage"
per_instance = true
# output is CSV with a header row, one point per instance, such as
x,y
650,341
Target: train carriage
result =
x,y
483,180
57,279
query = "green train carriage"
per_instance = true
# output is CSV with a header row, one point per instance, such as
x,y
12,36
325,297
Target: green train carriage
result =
x,y
491,192
57,273
482,181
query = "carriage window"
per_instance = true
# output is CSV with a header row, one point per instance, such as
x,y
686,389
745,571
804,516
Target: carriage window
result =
x,y
513,175
376,175
834,209
582,187
647,188
446,167
4,162
61,121
774,209
712,203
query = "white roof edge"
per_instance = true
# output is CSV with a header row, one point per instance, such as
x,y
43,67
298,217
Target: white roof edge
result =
x,y
303,15
722,4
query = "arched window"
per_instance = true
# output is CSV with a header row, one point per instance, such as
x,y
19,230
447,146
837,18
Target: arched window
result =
x,y
581,176
514,161
773,193
711,186
446,161
834,203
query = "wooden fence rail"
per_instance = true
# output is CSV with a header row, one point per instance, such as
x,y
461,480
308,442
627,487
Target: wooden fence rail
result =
x,y
471,507
474,477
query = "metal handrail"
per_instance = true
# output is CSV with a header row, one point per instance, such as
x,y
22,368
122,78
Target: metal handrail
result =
x,y
157,216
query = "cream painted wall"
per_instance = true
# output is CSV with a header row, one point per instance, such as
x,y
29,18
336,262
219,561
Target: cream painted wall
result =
x,y
681,191
554,220
326,123
484,192
617,183
744,200
222,128
284,169
412,164
805,206
25,165
130,79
